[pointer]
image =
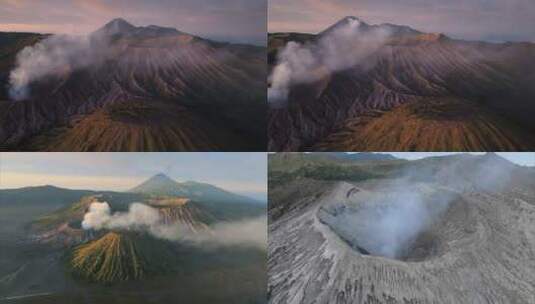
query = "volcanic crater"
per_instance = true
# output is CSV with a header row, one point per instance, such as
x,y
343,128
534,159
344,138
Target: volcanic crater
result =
x,y
431,242
420,230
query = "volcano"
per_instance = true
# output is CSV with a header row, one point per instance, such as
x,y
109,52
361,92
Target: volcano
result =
x,y
63,227
121,256
161,184
413,91
113,255
442,229
149,89
158,184
53,249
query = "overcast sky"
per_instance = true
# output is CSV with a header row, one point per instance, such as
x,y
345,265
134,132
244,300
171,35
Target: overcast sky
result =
x,y
244,173
519,158
232,20
492,20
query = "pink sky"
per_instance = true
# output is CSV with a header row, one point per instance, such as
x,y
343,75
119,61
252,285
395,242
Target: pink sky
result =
x,y
234,20
494,20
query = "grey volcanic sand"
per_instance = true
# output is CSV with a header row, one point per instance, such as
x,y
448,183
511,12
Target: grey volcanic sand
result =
x,y
481,249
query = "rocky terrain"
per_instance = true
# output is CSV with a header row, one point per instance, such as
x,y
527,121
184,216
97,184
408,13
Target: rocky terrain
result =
x,y
436,230
414,91
150,89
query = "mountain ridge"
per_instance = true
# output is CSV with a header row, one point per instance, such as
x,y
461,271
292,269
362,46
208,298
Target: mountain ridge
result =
x,y
161,184
393,29
435,82
157,89
120,26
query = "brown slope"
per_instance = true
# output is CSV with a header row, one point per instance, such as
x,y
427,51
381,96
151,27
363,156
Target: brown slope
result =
x,y
179,210
410,69
120,256
435,125
140,126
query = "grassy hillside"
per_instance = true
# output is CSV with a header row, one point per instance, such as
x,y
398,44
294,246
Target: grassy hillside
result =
x,y
287,167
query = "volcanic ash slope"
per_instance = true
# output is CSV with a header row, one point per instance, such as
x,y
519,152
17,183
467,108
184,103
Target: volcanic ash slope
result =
x,y
480,249
139,89
408,91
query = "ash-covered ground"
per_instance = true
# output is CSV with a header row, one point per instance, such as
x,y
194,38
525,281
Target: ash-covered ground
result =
x,y
455,229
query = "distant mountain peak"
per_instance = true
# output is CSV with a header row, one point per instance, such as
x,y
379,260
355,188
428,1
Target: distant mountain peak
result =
x,y
349,20
123,27
161,184
157,183
117,26
119,22
161,177
393,29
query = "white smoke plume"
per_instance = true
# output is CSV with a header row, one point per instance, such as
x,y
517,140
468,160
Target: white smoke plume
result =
x,y
401,218
140,217
54,56
343,47
388,224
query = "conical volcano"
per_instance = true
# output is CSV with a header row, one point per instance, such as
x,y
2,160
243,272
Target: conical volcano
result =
x,y
116,26
121,256
158,184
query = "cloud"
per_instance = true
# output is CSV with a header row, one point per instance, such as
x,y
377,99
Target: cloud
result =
x,y
32,27
15,3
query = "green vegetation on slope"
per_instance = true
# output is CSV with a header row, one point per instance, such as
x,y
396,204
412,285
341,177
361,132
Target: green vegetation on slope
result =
x,y
287,167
